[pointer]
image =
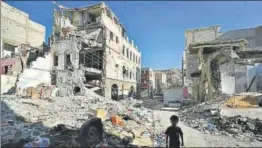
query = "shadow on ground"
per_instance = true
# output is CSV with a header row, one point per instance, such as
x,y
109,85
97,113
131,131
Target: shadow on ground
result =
x,y
16,132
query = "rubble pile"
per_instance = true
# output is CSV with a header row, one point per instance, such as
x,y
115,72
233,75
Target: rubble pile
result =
x,y
235,125
149,103
173,77
37,73
31,118
206,117
159,135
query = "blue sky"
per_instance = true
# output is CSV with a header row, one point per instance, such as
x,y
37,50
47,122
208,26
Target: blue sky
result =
x,y
158,27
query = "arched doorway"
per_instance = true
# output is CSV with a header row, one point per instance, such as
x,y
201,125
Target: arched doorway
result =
x,y
114,92
132,88
131,92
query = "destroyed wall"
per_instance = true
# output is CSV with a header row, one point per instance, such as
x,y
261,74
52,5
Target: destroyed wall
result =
x,y
65,47
192,66
190,62
67,80
227,78
76,19
233,78
255,71
70,83
38,73
246,73
241,78
17,28
219,68
259,77
173,77
201,35
251,73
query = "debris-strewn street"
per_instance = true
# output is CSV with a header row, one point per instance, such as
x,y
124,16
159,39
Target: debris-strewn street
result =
x,y
208,117
27,119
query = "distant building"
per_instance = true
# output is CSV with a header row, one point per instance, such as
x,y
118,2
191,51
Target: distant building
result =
x,y
147,86
160,81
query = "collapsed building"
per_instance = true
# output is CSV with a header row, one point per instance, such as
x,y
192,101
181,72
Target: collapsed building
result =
x,y
213,63
90,49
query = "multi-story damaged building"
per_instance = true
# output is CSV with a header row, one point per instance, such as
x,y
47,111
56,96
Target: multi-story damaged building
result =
x,y
222,63
91,48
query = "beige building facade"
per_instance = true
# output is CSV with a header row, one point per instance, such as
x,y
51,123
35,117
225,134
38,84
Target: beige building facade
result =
x,y
17,29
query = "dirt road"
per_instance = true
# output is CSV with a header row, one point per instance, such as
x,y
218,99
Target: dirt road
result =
x,y
194,138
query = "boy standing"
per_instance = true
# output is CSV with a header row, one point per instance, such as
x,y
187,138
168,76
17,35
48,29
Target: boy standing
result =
x,y
173,133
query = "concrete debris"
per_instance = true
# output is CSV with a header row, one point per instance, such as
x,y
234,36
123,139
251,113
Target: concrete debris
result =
x,y
174,77
34,118
149,103
38,73
89,38
207,117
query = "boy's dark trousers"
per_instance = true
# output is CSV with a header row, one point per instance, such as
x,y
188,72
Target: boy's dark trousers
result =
x,y
174,145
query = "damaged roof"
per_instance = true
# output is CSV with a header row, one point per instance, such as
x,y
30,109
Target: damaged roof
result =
x,y
252,35
250,54
193,48
217,42
236,34
203,28
94,6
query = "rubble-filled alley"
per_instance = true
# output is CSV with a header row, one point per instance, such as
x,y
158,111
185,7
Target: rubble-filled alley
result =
x,y
86,86
27,119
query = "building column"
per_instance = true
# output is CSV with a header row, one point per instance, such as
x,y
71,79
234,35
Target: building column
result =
x,y
2,48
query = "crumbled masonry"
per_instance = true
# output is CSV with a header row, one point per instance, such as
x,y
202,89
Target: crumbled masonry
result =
x,y
208,118
86,87
37,117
